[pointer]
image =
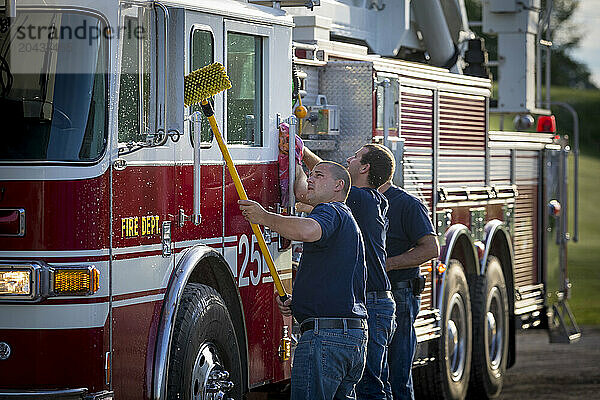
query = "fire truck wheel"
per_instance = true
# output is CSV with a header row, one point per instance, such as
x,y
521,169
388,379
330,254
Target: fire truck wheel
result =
x,y
447,376
490,332
205,360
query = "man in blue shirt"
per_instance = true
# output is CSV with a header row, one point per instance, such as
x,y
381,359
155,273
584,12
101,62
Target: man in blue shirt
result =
x,y
410,242
329,291
370,167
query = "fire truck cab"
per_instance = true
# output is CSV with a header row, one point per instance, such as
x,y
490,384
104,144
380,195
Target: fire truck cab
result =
x,y
120,248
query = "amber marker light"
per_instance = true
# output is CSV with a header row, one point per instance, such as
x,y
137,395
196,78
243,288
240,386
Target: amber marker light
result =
x,y
75,281
441,268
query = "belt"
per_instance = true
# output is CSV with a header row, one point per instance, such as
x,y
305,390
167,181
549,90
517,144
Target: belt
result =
x,y
402,284
379,294
334,323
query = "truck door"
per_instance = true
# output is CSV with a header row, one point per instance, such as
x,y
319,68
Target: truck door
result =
x,y
143,200
203,46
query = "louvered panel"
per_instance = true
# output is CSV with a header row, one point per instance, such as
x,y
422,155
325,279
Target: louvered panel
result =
x,y
418,178
459,168
416,117
524,241
416,127
462,121
527,168
426,296
500,166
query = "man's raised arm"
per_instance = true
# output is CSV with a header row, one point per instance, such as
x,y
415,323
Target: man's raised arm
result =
x,y
294,228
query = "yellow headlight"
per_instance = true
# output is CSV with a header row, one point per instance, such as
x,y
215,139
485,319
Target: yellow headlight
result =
x,y
15,282
75,281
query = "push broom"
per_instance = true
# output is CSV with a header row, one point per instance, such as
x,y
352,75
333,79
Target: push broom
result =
x,y
199,86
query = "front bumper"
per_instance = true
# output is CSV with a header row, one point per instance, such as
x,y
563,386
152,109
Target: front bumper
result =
x,y
65,394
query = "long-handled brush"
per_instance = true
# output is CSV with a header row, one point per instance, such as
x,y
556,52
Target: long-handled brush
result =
x,y
200,85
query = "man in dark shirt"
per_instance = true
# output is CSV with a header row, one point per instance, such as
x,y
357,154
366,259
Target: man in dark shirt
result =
x,y
410,242
329,291
370,167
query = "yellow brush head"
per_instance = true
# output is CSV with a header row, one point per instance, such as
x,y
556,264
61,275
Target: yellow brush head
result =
x,y
204,83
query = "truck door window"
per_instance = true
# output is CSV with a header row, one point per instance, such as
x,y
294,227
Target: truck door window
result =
x,y
202,54
244,99
134,81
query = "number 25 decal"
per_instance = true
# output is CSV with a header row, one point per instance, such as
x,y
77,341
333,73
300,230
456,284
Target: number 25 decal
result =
x,y
251,253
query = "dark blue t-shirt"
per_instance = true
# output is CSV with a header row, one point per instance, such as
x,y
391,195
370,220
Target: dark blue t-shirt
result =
x,y
408,222
330,281
368,208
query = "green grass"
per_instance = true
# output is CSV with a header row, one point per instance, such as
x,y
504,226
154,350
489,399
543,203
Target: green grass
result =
x,y
584,256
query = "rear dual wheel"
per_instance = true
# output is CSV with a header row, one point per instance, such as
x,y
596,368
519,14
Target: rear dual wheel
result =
x,y
447,377
205,361
490,332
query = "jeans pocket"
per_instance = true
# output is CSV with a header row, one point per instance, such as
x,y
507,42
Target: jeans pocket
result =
x,y
403,297
302,369
337,358
385,325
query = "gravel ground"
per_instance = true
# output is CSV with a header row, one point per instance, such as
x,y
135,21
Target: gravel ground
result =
x,y
554,371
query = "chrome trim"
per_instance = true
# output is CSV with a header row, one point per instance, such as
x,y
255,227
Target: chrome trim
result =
x,y
452,236
48,394
21,217
492,228
34,284
42,281
189,259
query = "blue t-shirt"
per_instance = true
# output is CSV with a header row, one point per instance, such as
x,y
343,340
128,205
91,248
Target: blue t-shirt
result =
x,y
408,222
368,208
330,281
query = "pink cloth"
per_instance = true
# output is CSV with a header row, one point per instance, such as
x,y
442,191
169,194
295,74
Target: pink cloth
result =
x,y
283,160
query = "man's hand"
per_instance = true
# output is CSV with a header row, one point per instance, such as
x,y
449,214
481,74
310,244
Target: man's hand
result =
x,y
253,212
284,307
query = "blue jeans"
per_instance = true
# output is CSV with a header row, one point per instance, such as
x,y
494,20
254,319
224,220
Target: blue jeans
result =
x,y
328,363
374,383
404,342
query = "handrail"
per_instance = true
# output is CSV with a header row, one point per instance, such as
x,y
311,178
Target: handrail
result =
x,y
575,116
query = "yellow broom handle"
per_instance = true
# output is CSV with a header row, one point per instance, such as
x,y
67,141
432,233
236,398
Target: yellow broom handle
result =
x,y
242,193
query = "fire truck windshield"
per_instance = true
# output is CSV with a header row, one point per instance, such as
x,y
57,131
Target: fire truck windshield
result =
x,y
53,86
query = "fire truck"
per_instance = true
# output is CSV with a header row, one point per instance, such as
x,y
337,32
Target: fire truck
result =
x,y
126,267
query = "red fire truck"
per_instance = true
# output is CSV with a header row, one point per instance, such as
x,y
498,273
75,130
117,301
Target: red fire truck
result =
x,y
126,268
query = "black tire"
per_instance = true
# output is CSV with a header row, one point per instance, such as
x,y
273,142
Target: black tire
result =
x,y
447,376
205,356
489,302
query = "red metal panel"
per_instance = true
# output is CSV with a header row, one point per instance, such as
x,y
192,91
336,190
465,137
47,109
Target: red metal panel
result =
x,y
134,340
54,358
142,191
263,321
60,215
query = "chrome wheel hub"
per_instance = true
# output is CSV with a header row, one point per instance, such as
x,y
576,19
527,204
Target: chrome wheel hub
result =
x,y
455,338
494,334
210,380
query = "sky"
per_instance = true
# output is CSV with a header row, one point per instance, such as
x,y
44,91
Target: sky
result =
x,y
587,18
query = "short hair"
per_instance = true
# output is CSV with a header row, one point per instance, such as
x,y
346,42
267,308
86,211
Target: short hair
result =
x,y
382,164
339,172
